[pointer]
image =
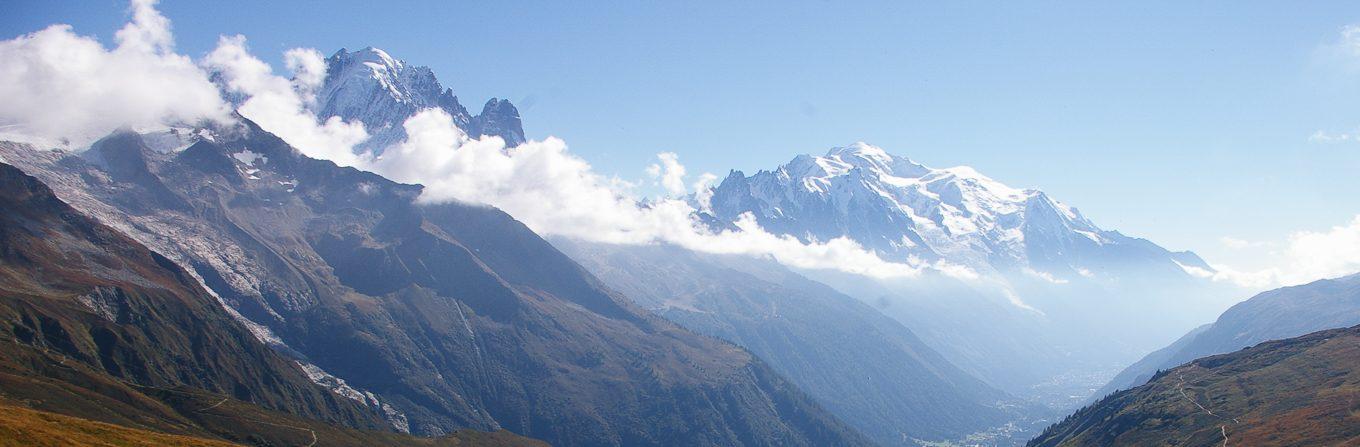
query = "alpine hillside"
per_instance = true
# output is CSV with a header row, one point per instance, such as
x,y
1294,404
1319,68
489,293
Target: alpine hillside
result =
x,y
99,328
445,316
1281,313
1302,391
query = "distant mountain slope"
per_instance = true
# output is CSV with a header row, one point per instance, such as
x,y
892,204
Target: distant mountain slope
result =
x,y
449,316
905,210
866,368
1302,391
1025,292
1276,314
99,327
370,86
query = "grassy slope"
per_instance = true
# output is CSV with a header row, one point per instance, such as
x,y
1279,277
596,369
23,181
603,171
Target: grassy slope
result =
x,y
1302,391
20,426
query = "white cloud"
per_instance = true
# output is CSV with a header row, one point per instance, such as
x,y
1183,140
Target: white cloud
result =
x,y
1339,56
309,71
148,32
1016,301
1046,276
1329,253
1349,42
703,191
1307,256
1232,242
1343,51
57,85
670,172
276,105
1239,244
556,193
1325,137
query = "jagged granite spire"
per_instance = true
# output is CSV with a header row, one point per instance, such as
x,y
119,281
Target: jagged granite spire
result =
x,y
371,86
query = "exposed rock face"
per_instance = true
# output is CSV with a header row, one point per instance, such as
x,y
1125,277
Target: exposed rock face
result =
x,y
452,315
370,86
96,325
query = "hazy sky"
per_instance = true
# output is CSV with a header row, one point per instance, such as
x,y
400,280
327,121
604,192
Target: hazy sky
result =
x,y
1182,123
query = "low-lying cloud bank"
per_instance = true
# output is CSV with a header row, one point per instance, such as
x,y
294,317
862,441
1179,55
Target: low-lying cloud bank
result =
x,y
554,192
67,89
1305,256
64,89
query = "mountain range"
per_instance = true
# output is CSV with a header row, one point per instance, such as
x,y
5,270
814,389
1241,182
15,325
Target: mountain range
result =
x,y
1040,277
906,211
425,313
209,282
1070,277
908,392
1048,275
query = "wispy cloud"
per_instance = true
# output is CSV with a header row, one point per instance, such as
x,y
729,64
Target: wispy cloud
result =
x,y
1339,55
1046,276
1326,137
1238,244
1305,256
670,173
703,191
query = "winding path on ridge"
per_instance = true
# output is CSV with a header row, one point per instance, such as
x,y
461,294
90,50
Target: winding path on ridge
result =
x,y
1222,428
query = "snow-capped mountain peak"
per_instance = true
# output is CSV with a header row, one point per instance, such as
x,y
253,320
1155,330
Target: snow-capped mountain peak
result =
x,y
908,211
411,85
381,91
873,158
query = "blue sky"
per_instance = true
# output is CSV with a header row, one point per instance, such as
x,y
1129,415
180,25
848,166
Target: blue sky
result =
x,y
1181,123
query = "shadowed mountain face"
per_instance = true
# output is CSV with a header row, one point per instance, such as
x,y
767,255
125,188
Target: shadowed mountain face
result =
x,y
445,316
80,292
864,367
1276,314
96,326
1302,391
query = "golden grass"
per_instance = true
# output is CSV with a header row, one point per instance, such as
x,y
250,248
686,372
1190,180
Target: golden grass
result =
x,y
26,427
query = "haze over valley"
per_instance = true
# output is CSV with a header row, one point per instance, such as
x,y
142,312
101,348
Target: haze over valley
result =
x,y
209,240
